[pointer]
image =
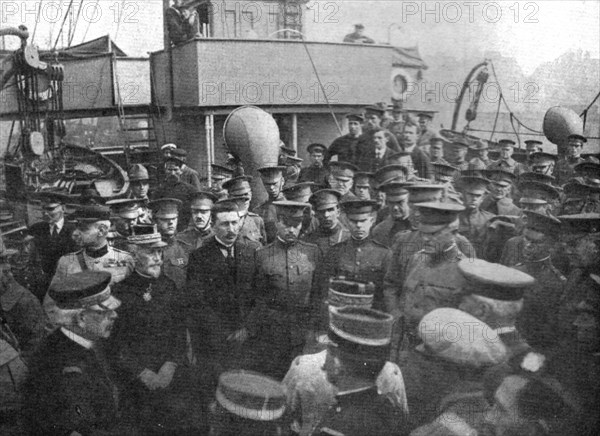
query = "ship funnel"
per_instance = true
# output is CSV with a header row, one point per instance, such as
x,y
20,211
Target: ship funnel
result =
x,y
253,136
560,122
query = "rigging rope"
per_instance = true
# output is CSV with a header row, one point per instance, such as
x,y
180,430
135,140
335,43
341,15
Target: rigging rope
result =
x,y
72,35
90,22
62,26
37,20
119,20
496,118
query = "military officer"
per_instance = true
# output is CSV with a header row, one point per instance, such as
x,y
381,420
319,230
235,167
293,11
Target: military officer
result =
x,y
272,179
286,291
71,389
565,167
166,213
201,204
473,221
459,149
396,198
427,132
139,184
125,214
253,226
341,178
316,171
432,276
330,230
51,237
359,258
91,231
436,149
539,197
220,174
542,163
506,162
447,176
362,185
188,175
248,404
494,293
533,146
498,201
533,253
301,192
480,149
351,388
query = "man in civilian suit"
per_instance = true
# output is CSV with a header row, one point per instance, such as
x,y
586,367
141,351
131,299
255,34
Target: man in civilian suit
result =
x,y
52,238
218,279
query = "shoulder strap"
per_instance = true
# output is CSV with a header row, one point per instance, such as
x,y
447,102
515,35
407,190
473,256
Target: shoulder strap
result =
x,y
81,261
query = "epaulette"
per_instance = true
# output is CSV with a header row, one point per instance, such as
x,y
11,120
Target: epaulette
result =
x,y
252,214
72,370
118,250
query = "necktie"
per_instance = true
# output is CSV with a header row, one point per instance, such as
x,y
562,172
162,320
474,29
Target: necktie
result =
x,y
53,231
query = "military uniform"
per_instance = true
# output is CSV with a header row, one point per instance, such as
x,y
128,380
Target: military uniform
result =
x,y
285,283
565,169
344,148
268,212
362,261
473,226
325,239
504,206
385,232
176,256
118,241
194,238
117,262
253,228
509,165
315,174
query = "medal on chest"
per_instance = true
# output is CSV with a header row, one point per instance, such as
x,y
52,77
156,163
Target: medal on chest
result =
x,y
148,294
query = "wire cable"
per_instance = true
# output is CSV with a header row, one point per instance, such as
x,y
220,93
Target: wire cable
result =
x,y
37,20
62,26
72,35
89,22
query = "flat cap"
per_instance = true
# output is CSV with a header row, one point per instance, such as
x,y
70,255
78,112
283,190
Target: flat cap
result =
x,y
146,235
165,207
179,153
238,186
376,109
538,193
138,173
542,222
340,169
533,142
458,142
507,142
479,145
577,189
286,151
169,146
316,147
299,191
577,137
325,199
436,215
445,172
91,214
220,172
390,173
361,325
460,338
176,159
493,280
250,395
427,115
589,170
359,207
363,179
51,199
580,223
424,192
292,209
271,174
500,176
540,157
394,191
537,177
472,183
356,116
198,196
128,208
83,290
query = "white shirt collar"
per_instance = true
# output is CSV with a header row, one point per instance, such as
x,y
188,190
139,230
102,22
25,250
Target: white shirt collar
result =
x,y
502,330
85,343
59,224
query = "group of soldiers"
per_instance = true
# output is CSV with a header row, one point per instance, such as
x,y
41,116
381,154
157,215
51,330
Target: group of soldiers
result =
x,y
400,289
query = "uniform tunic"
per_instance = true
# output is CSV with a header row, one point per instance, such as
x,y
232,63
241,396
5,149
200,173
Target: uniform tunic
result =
x,y
175,257
253,228
181,191
315,174
194,237
565,169
325,239
431,283
473,226
268,212
344,147
285,287
504,206
509,165
386,231
70,389
362,261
